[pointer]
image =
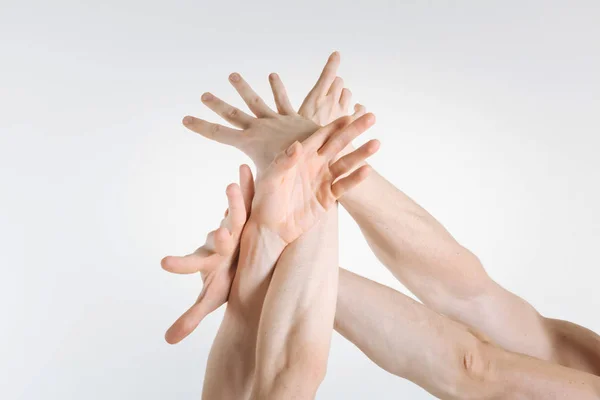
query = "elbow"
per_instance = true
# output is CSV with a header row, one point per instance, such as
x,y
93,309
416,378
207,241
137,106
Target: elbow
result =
x,y
474,374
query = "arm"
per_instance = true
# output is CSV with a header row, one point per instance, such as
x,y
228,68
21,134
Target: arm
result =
x,y
439,271
231,362
443,356
451,280
428,260
297,316
292,195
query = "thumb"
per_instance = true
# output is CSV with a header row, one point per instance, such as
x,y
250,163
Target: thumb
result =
x,y
189,264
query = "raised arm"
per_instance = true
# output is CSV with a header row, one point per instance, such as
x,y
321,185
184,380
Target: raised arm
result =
x,y
297,316
294,335
397,333
442,273
292,194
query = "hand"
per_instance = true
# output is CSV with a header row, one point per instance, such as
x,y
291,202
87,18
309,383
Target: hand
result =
x,y
327,101
268,134
302,183
216,260
261,138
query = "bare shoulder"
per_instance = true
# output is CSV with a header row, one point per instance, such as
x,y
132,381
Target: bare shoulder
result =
x,y
574,346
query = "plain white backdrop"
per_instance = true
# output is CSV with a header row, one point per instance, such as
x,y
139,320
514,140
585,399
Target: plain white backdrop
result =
x,y
488,114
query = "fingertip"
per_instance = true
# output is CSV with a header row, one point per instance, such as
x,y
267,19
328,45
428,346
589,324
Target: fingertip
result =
x,y
170,338
164,263
234,77
232,189
294,149
373,146
245,170
369,118
187,120
173,335
335,55
273,76
206,96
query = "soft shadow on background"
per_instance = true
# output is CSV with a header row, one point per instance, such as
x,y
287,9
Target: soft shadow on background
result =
x,y
487,113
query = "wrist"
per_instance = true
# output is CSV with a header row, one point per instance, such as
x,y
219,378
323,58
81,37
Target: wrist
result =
x,y
260,236
260,248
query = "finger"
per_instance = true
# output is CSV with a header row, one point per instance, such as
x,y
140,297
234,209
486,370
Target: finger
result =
x,y
323,83
223,241
359,111
189,264
345,99
335,90
229,113
247,186
350,161
189,320
343,185
254,102
216,132
340,139
317,139
288,158
327,75
237,208
282,100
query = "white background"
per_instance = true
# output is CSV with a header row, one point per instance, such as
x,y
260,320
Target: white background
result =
x,y
488,114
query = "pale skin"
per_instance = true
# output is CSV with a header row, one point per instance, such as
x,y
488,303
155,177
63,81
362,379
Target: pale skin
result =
x,y
399,232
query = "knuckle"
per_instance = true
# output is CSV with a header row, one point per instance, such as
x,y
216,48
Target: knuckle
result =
x,y
214,129
233,112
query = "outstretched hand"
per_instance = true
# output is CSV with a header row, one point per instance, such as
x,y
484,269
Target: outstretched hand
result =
x,y
295,190
304,182
327,101
216,260
266,134
311,172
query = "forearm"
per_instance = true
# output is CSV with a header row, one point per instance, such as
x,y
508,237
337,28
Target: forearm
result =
x,y
444,275
297,317
231,362
442,356
402,336
411,243
524,377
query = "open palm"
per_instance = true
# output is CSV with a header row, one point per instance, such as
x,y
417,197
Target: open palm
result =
x,y
302,182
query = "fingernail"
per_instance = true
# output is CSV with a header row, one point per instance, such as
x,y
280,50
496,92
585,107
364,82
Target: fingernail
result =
x,y
187,120
235,77
207,97
291,150
273,76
